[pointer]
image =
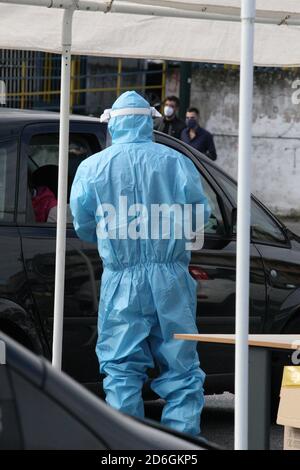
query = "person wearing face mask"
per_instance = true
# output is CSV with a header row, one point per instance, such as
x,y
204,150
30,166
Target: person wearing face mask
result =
x,y
196,136
169,123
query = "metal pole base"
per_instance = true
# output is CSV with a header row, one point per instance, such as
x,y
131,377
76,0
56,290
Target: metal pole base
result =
x,y
259,399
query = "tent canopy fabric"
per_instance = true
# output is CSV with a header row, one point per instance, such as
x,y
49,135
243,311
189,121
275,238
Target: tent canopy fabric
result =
x,y
277,9
143,36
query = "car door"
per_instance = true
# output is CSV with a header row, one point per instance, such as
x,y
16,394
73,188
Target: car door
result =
x,y
281,259
39,150
214,267
280,255
13,283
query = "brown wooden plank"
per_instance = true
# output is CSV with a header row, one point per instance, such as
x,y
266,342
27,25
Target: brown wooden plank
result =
x,y
266,341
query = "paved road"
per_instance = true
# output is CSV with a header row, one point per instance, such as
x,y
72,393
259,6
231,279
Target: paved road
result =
x,y
218,422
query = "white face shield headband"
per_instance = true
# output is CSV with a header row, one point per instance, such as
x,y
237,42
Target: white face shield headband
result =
x,y
109,113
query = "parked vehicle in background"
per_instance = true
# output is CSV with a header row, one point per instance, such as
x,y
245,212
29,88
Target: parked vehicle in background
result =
x,y
28,145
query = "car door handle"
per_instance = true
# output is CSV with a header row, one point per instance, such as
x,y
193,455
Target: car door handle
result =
x,y
273,273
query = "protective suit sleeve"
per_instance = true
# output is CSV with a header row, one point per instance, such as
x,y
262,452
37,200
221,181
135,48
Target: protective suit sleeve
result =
x,y
81,207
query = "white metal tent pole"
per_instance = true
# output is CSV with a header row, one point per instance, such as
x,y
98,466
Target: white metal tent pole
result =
x,y
243,225
62,189
194,11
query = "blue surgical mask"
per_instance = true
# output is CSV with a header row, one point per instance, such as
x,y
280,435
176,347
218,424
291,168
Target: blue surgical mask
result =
x,y
191,123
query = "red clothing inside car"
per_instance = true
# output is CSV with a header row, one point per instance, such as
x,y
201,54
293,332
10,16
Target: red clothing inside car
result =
x,y
42,203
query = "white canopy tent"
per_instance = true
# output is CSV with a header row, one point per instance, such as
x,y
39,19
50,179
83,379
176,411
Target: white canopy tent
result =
x,y
163,29
157,36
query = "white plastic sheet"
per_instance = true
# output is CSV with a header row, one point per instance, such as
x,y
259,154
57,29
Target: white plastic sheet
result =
x,y
157,37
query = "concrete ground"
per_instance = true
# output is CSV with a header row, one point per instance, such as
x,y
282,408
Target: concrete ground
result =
x,y
218,423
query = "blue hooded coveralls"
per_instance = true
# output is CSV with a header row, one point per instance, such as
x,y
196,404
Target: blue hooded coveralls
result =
x,y
147,293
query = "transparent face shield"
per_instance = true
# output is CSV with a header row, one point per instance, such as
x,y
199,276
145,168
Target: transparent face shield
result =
x,y
109,113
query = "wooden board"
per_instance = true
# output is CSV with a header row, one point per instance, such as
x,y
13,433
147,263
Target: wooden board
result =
x,y
265,341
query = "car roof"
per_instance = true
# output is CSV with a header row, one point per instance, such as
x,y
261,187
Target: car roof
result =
x,y
12,120
26,116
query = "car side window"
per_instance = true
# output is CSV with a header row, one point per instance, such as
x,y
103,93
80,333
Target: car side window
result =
x,y
263,227
43,172
215,224
8,161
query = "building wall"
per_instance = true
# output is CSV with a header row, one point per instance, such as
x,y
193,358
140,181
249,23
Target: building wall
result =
x,y
276,130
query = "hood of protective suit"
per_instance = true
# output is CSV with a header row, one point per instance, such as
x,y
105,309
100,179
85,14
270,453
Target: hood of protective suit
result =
x,y
132,127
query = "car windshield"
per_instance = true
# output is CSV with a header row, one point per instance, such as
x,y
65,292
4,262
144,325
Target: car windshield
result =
x,y
225,182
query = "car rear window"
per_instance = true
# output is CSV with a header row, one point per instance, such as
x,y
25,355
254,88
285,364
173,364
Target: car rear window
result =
x,y
43,155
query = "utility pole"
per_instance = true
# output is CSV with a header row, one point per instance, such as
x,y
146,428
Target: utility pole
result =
x,y
185,87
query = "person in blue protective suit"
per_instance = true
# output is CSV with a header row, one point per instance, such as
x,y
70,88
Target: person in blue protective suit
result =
x,y
147,293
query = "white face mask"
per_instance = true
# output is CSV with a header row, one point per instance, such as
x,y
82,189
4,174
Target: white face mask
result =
x,y
168,111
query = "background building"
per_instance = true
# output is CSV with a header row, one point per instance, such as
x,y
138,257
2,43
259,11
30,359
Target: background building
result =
x,y
32,80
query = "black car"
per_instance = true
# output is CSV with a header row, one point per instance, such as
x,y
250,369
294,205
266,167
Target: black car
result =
x,y
29,142
43,409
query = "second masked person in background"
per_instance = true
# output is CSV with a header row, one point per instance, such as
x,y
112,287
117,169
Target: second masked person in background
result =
x,y
197,136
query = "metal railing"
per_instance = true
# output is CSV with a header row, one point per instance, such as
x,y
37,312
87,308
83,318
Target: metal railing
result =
x,y
32,80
